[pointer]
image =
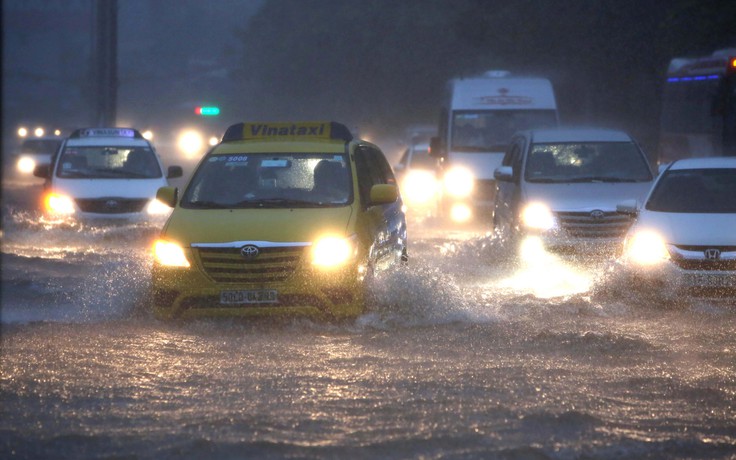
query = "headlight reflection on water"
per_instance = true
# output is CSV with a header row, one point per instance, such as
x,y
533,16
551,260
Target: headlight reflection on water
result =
x,y
545,274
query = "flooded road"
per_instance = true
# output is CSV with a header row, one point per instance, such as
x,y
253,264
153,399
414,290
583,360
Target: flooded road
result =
x,y
465,354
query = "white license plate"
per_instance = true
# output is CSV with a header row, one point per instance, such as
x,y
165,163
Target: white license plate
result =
x,y
249,297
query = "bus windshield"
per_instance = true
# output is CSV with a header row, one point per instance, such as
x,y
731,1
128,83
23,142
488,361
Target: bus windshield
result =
x,y
491,130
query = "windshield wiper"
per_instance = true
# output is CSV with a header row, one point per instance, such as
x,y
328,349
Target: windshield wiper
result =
x,y
278,202
599,179
209,204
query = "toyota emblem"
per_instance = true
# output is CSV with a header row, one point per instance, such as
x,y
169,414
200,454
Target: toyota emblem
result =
x,y
111,204
712,254
597,214
249,251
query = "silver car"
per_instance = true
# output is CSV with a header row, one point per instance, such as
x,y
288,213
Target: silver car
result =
x,y
685,233
563,185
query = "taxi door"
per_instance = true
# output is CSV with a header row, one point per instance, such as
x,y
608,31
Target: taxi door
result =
x,y
384,225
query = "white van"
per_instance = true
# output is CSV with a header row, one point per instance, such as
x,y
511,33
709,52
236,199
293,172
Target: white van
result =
x,y
109,173
478,119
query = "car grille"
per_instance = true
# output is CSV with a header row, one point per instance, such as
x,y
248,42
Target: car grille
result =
x,y
111,205
227,265
725,262
603,225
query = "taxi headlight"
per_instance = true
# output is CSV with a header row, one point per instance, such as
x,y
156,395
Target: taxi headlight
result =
x,y
333,251
419,187
26,165
459,182
157,208
59,204
646,247
537,216
169,254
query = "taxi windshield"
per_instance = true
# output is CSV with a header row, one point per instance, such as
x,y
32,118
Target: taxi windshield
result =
x,y
586,162
108,162
702,191
288,180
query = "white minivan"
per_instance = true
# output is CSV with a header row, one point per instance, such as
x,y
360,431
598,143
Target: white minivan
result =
x,y
562,186
105,173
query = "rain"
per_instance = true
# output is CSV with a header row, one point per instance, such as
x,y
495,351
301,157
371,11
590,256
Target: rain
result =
x,y
481,346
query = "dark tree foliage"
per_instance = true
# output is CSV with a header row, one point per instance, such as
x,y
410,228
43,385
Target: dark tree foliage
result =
x,y
383,63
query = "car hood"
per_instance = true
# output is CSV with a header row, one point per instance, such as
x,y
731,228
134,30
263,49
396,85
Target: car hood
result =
x,y
690,229
108,188
586,197
188,226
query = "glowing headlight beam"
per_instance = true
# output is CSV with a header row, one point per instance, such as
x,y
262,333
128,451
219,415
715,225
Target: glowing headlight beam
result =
x,y
537,216
157,208
330,251
169,254
419,187
646,248
26,165
459,182
59,204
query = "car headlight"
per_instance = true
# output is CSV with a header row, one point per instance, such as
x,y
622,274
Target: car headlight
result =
x,y
169,254
537,216
419,187
157,208
59,204
646,247
459,182
330,251
26,165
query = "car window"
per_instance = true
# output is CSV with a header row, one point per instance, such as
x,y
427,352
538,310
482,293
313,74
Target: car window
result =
x,y
703,191
284,180
421,160
372,169
108,162
586,162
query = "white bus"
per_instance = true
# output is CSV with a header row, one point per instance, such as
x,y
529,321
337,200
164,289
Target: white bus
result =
x,y
477,121
699,107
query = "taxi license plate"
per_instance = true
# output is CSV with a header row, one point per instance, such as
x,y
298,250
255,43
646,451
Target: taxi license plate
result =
x,y
249,297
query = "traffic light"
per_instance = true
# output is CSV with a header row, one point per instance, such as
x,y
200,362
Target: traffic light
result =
x,y
207,111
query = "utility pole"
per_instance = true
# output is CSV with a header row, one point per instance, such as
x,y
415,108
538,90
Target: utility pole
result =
x,y
106,60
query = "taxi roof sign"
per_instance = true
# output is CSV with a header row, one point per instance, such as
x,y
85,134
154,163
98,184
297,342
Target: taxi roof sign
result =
x,y
106,132
286,131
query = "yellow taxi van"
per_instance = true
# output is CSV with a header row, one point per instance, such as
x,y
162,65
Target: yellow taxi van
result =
x,y
279,219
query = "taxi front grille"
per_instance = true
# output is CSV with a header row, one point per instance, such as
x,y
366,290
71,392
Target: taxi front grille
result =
x,y
111,205
227,265
598,225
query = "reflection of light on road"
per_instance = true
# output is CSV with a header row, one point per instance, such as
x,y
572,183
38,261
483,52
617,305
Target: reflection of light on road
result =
x,y
544,274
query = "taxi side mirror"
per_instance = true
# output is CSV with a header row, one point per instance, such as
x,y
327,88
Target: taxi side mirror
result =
x,y
384,194
168,196
42,171
174,172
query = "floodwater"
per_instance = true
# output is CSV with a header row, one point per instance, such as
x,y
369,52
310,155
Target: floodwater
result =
x,y
467,353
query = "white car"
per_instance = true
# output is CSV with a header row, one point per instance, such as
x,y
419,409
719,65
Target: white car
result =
x,y
108,173
36,151
562,186
685,234
416,173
